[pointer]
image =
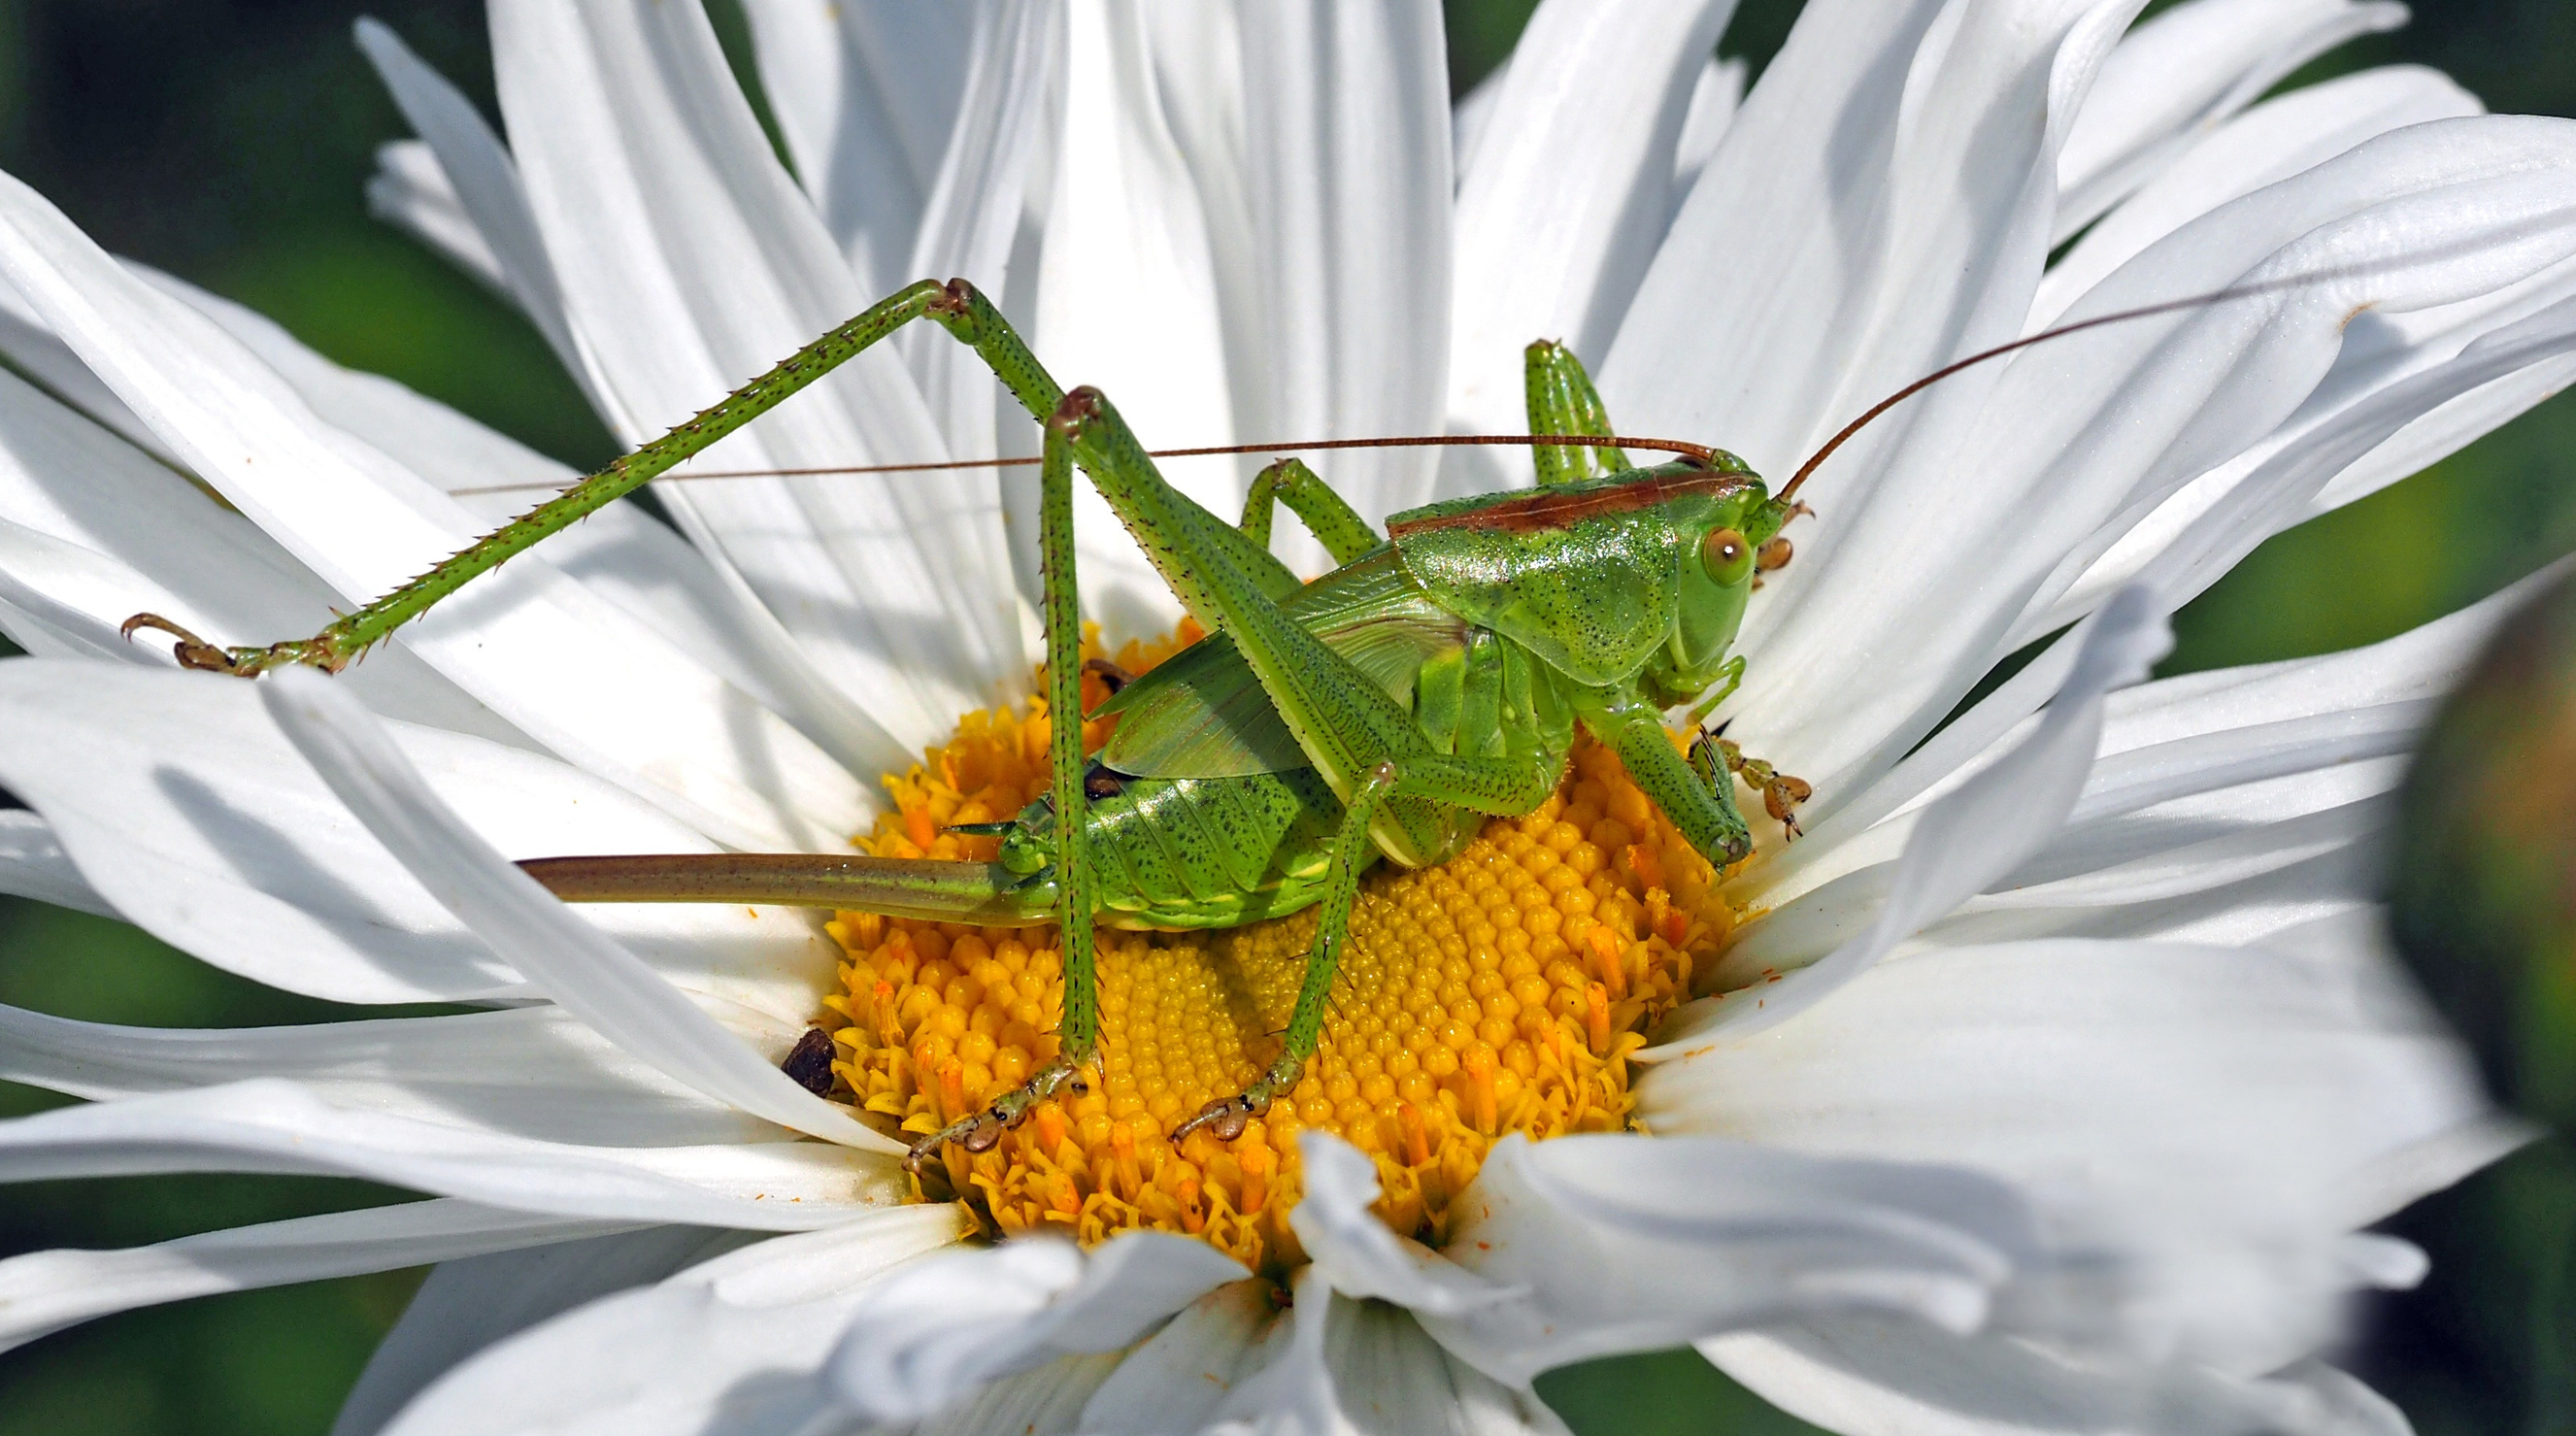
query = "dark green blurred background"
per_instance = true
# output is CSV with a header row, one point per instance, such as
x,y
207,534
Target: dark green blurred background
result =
x,y
227,142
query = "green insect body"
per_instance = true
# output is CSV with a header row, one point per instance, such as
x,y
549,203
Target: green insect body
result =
x,y
1431,681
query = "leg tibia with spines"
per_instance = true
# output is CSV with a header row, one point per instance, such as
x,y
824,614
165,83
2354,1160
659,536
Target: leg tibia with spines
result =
x,y
957,307
1226,1117
1333,522
336,646
1078,1039
1562,401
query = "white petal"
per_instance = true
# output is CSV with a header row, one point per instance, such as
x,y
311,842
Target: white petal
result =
x,y
1291,1393
2267,144
2179,75
190,814
1876,1378
1555,229
470,162
468,1305
535,1072
2410,668
2081,434
1714,101
1389,1377
866,94
2284,488
279,1127
561,664
1603,1244
2156,820
37,352
926,1339
729,1345
2220,1116
1346,143
1898,228
971,223
1124,221
619,552
101,530
43,1292
34,865
583,969
1048,1401
2420,384
1359,1255
640,564
411,192
1468,117
1177,1378
691,263
2184,1052
1977,833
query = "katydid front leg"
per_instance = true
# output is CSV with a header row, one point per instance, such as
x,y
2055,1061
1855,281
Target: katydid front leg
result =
x,y
1697,795
1781,793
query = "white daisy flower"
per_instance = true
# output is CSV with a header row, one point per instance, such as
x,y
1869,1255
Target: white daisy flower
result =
x,y
2045,1085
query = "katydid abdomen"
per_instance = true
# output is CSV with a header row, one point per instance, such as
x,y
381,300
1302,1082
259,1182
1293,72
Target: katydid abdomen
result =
x,y
1210,817
1171,852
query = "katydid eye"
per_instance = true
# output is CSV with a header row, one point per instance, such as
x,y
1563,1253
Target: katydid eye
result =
x,y
1728,556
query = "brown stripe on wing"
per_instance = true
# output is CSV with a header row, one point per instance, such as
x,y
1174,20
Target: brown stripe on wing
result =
x,y
1557,508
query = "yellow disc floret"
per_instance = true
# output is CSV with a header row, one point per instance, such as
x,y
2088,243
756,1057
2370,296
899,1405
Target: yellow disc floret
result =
x,y
1500,992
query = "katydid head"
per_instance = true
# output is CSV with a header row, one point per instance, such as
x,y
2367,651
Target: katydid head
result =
x,y
1640,575
1728,539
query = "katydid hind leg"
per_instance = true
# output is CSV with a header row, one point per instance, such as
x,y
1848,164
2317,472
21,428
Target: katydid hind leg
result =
x,y
956,306
1078,1037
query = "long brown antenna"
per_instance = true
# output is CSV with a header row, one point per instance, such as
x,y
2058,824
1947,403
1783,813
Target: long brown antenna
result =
x,y
2215,296
1684,447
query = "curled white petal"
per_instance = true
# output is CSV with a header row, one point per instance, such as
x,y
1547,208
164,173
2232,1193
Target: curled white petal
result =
x,y
44,1292
934,1334
1356,1252
1976,834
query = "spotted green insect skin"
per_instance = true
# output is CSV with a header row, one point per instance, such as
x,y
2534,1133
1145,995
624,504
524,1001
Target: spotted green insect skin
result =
x,y
1615,607
1432,681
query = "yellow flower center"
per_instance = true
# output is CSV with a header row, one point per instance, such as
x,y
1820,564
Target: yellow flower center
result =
x,y
1500,992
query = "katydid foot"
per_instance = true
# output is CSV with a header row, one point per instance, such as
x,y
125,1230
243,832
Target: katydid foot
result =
x,y
198,655
1781,793
982,1131
1226,1117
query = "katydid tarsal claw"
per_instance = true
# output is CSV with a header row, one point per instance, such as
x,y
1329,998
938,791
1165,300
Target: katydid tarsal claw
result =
x,y
1432,680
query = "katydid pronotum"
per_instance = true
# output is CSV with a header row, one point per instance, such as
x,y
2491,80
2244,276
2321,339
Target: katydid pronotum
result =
x,y
1432,680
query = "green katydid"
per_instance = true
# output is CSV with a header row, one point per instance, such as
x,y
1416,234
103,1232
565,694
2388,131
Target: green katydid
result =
x,y
1432,680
